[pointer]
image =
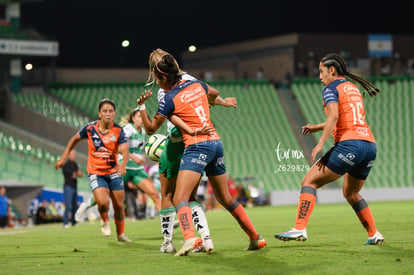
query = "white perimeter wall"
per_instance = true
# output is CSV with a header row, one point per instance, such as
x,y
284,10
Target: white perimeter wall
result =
x,y
335,195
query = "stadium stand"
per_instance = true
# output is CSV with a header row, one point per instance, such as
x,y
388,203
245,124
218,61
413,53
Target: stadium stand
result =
x,y
24,162
390,118
46,105
85,97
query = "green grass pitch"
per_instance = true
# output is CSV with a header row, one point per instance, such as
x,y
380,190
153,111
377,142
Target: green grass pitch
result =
x,y
334,245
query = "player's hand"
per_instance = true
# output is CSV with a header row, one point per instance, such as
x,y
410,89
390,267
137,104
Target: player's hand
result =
x,y
230,102
59,163
144,96
136,159
121,170
205,130
315,151
309,129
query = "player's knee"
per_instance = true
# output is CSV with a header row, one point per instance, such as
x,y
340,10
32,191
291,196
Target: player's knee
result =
x,y
102,208
351,197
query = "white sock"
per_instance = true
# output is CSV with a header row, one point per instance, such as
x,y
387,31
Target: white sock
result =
x,y
200,220
167,218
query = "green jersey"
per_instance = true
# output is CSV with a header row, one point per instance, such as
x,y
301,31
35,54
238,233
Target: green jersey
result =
x,y
136,143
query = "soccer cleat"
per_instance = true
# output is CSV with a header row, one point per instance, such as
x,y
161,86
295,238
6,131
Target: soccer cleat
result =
x,y
167,247
66,226
257,244
207,246
189,245
123,238
81,212
377,239
293,234
105,228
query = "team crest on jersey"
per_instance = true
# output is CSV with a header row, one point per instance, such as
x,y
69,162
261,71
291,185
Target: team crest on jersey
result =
x,y
107,140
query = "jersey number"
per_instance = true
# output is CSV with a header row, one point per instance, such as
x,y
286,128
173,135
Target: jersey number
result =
x,y
201,114
356,112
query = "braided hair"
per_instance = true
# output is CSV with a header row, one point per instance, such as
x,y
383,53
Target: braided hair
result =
x,y
338,62
168,67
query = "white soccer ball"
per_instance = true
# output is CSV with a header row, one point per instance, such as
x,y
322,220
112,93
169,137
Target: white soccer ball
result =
x,y
155,146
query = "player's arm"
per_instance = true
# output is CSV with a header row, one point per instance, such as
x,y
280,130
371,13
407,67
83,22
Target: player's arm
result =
x,y
124,151
312,128
69,147
205,130
151,125
215,99
137,159
329,125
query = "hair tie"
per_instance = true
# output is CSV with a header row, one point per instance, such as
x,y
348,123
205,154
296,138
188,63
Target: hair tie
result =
x,y
158,69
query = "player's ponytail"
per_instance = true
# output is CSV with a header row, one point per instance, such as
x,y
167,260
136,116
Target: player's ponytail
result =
x,y
337,61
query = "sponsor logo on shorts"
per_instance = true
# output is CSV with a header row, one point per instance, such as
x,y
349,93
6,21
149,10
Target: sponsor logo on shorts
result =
x,y
114,176
350,156
93,181
371,163
346,159
220,161
198,161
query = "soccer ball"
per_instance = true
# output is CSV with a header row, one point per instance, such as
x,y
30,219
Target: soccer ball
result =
x,y
155,146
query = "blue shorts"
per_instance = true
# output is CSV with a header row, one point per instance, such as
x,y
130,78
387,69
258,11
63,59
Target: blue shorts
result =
x,y
355,157
205,156
112,182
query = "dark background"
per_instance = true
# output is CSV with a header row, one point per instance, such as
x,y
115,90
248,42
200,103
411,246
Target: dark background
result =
x,y
90,32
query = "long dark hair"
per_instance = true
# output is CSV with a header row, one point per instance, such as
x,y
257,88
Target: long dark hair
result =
x,y
338,62
168,67
104,101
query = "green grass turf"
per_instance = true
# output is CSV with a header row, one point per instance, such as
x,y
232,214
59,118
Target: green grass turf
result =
x,y
334,246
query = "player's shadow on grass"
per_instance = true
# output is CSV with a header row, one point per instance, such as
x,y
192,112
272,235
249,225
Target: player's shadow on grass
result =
x,y
235,262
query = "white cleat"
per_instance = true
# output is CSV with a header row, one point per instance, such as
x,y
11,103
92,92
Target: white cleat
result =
x,y
167,247
207,246
293,235
377,239
105,228
189,245
123,238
